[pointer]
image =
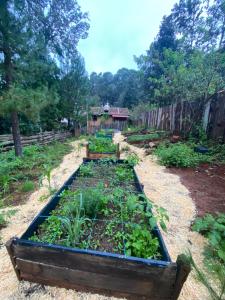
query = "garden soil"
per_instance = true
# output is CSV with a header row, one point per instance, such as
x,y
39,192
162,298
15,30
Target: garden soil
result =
x,y
207,186
163,188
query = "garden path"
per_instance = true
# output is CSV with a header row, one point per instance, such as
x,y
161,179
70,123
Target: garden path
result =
x,y
166,190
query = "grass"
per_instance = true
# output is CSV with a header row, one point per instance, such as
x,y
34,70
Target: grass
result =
x,y
18,175
28,186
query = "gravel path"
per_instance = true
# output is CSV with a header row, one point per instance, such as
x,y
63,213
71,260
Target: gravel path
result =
x,y
163,188
166,190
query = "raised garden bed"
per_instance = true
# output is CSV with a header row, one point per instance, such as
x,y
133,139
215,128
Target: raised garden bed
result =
x,y
108,134
98,148
146,138
95,235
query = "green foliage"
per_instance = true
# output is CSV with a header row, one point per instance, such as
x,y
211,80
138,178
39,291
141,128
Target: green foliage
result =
x,y
180,155
213,228
123,173
51,231
142,138
14,171
5,216
86,170
80,216
132,159
213,277
101,145
141,243
28,186
94,201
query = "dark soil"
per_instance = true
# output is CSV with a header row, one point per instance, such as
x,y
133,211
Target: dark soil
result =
x,y
103,241
206,184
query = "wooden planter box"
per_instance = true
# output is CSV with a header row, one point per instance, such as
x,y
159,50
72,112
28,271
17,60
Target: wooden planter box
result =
x,y
95,271
99,155
105,136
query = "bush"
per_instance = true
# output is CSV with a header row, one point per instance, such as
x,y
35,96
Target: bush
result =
x,y
180,155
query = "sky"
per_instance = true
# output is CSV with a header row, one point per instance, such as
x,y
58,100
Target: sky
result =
x,y
120,29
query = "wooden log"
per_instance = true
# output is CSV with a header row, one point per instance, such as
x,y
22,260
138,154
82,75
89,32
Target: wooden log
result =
x,y
183,269
9,247
69,269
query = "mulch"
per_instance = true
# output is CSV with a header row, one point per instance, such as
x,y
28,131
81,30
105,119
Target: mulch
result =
x,y
206,184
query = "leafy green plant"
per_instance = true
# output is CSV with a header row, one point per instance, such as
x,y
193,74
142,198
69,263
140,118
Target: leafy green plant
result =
x,y
86,170
133,159
123,173
101,145
50,231
28,186
180,155
141,243
213,276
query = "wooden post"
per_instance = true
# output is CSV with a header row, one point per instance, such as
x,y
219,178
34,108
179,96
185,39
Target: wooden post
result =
x,y
118,151
9,247
183,269
87,150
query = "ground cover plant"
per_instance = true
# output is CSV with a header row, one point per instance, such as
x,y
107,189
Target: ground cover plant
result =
x,y
183,154
213,274
103,210
101,145
20,175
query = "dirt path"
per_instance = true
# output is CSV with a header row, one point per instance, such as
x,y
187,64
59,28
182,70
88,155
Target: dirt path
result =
x,y
166,190
163,188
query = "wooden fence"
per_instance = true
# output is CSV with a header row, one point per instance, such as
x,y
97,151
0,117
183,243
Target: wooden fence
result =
x,y
181,117
6,140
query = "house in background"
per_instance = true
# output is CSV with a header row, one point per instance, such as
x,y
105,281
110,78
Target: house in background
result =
x,y
105,117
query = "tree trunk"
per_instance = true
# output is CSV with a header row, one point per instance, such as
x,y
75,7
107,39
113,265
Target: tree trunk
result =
x,y
16,133
8,68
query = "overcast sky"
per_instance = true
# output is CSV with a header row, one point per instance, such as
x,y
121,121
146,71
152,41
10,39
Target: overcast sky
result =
x,y
120,29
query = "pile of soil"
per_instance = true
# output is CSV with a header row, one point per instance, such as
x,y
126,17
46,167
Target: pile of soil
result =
x,y
206,184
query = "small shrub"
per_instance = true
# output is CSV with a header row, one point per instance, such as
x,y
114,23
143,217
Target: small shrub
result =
x,y
28,186
180,155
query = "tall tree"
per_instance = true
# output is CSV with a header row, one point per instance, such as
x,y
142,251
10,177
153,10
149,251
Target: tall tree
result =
x,y
55,25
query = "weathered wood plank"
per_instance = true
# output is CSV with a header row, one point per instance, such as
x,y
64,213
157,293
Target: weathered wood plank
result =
x,y
57,275
89,262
